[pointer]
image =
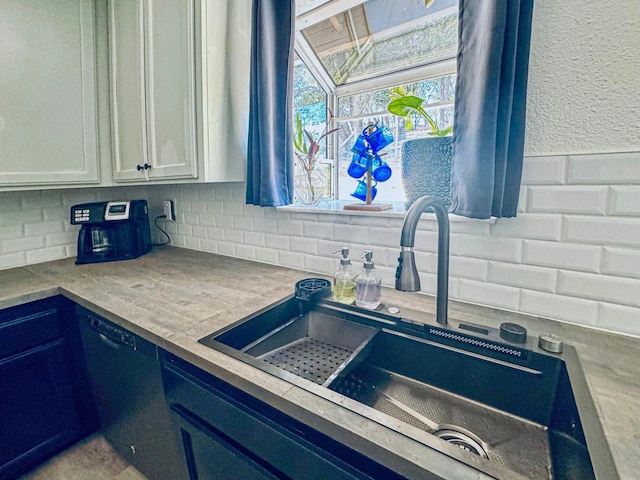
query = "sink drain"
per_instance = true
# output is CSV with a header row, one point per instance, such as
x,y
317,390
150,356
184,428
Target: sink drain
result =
x,y
462,440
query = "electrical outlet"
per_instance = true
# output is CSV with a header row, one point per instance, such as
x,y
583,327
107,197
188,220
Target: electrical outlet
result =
x,y
169,207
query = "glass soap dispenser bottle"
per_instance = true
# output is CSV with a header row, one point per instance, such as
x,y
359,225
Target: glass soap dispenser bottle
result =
x,y
344,280
368,284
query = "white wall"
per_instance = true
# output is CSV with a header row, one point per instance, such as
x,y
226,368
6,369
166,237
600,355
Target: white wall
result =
x,y
573,252
584,77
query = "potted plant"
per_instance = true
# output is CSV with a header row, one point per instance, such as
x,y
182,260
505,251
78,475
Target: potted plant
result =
x,y
309,181
426,162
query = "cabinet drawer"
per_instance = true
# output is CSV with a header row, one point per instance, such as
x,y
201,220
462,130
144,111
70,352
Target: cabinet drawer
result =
x,y
28,326
278,443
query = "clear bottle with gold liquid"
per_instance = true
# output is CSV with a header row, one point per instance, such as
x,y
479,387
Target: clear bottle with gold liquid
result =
x,y
344,280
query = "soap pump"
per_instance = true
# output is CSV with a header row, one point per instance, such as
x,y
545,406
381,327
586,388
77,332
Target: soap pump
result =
x,y
344,280
368,284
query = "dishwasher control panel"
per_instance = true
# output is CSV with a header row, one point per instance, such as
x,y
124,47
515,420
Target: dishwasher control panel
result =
x,y
113,333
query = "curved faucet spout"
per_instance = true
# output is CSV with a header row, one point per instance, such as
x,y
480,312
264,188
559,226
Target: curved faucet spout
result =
x,y
407,279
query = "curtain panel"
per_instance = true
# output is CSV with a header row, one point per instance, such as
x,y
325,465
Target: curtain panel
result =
x,y
270,145
489,118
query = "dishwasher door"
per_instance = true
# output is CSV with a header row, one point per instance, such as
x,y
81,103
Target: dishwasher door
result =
x,y
127,386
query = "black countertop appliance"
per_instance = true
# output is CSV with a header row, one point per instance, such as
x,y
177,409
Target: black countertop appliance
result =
x,y
112,231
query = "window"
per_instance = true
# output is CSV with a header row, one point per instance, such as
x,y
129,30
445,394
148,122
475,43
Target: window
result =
x,y
351,53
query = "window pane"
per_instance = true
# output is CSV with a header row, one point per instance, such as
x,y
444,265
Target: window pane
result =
x,y
309,101
303,6
382,36
369,108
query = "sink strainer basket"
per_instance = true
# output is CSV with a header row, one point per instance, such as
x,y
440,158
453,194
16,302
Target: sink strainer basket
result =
x,y
313,289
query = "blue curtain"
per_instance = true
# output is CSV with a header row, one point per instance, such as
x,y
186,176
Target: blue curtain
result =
x,y
489,118
270,148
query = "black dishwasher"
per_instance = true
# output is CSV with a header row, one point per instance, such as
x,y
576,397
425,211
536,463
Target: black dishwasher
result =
x,y
127,387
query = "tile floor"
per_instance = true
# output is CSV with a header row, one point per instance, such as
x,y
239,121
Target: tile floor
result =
x,y
90,459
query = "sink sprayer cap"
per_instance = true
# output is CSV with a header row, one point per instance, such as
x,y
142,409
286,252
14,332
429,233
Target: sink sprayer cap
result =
x,y
345,256
368,260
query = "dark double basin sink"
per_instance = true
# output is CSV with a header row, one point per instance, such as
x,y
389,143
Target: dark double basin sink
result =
x,y
513,410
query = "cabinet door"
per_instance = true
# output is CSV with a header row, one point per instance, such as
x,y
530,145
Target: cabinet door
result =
x,y
209,456
128,112
152,62
37,410
171,100
48,126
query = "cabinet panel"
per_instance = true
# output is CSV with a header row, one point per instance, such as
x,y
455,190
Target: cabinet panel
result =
x,y
128,110
258,433
152,64
209,456
36,407
171,88
48,126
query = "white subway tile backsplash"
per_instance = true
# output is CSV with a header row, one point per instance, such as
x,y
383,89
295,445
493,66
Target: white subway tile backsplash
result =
x,y
527,225
46,254
562,255
304,245
382,236
209,245
215,233
254,238
568,199
12,260
197,207
292,259
465,267
226,248
491,248
318,230
34,229
618,318
277,242
489,294
12,231
199,231
544,170
206,220
524,276
604,169
573,252
267,255
266,225
232,208
246,251
234,236
243,223
224,221
22,244
604,231
289,227
350,233
192,242
624,291
574,310
64,238
625,200
315,263
621,261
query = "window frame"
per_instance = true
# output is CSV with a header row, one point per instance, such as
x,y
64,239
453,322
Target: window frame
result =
x,y
334,92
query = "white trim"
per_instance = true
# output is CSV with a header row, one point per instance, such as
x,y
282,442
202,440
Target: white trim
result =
x,y
424,72
325,11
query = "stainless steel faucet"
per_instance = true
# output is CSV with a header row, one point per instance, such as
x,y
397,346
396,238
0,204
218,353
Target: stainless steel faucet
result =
x,y
407,279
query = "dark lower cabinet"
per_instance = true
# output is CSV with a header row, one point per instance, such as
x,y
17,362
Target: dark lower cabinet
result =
x,y
227,434
44,401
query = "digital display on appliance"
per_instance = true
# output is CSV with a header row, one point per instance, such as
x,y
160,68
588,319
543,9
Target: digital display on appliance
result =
x,y
118,208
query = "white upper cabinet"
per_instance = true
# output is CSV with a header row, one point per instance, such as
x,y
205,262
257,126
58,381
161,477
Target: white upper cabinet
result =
x,y
153,89
179,89
48,99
